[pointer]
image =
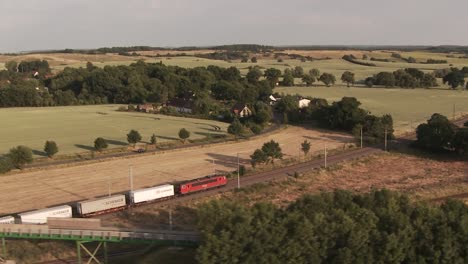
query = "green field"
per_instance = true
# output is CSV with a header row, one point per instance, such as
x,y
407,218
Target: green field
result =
x,y
333,65
75,128
407,106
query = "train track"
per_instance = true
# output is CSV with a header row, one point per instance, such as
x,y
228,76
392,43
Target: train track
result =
x,y
284,172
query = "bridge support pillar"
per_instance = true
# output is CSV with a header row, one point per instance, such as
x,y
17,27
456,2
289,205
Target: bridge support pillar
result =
x,y
91,253
4,251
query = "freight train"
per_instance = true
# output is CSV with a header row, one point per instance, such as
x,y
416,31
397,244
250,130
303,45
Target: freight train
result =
x,y
117,202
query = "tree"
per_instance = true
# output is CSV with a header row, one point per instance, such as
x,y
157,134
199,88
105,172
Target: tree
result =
x,y
272,76
272,150
305,147
20,156
153,139
235,128
386,79
253,75
133,137
460,141
369,81
348,77
298,72
314,73
288,79
258,157
50,148
308,79
253,59
5,164
436,134
454,78
100,144
327,79
184,134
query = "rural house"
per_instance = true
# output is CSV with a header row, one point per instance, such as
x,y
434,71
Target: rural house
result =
x,y
241,110
182,105
303,102
147,108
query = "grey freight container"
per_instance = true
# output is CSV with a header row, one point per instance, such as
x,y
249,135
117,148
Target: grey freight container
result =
x,y
101,205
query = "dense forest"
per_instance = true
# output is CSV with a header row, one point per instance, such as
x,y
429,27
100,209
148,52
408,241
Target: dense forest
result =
x,y
340,227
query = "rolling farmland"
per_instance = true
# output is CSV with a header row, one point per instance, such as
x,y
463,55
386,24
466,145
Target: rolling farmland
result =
x,y
75,128
408,107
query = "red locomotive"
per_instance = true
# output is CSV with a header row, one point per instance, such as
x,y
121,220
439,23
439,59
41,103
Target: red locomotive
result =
x,y
202,184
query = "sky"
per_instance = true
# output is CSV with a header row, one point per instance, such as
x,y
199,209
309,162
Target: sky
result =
x,y
81,24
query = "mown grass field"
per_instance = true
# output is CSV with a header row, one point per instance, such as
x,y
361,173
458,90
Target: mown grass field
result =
x,y
408,107
75,128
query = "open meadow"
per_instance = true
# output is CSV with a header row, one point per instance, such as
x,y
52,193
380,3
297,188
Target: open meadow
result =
x,y
75,128
408,107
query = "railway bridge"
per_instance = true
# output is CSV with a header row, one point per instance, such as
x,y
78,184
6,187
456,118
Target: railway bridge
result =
x,y
101,235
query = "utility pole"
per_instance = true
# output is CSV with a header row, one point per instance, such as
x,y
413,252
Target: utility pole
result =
x,y
361,136
325,156
214,168
170,219
109,184
453,115
130,176
385,139
238,172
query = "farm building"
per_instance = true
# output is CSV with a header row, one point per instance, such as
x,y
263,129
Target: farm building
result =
x,y
241,110
182,105
303,102
147,108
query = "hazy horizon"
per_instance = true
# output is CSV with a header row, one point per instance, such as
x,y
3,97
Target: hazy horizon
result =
x,y
86,24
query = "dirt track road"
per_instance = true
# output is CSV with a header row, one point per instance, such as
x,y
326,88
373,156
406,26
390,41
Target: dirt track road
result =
x,y
35,189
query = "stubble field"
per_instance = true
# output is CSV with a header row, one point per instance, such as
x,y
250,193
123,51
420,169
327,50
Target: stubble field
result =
x,y
21,191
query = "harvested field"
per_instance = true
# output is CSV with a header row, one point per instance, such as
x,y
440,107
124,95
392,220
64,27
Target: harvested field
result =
x,y
421,178
37,189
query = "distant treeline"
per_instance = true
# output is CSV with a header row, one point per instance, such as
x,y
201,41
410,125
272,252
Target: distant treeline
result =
x,y
339,227
351,58
263,48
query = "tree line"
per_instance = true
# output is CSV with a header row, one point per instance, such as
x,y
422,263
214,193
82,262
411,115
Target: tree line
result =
x,y
438,134
345,115
339,227
21,155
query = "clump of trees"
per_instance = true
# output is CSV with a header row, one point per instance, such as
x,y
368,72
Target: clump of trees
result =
x,y
17,157
407,78
327,78
343,115
439,134
270,151
339,227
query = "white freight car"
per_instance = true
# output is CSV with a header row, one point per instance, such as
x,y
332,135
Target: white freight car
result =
x,y
151,194
101,205
40,216
7,220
